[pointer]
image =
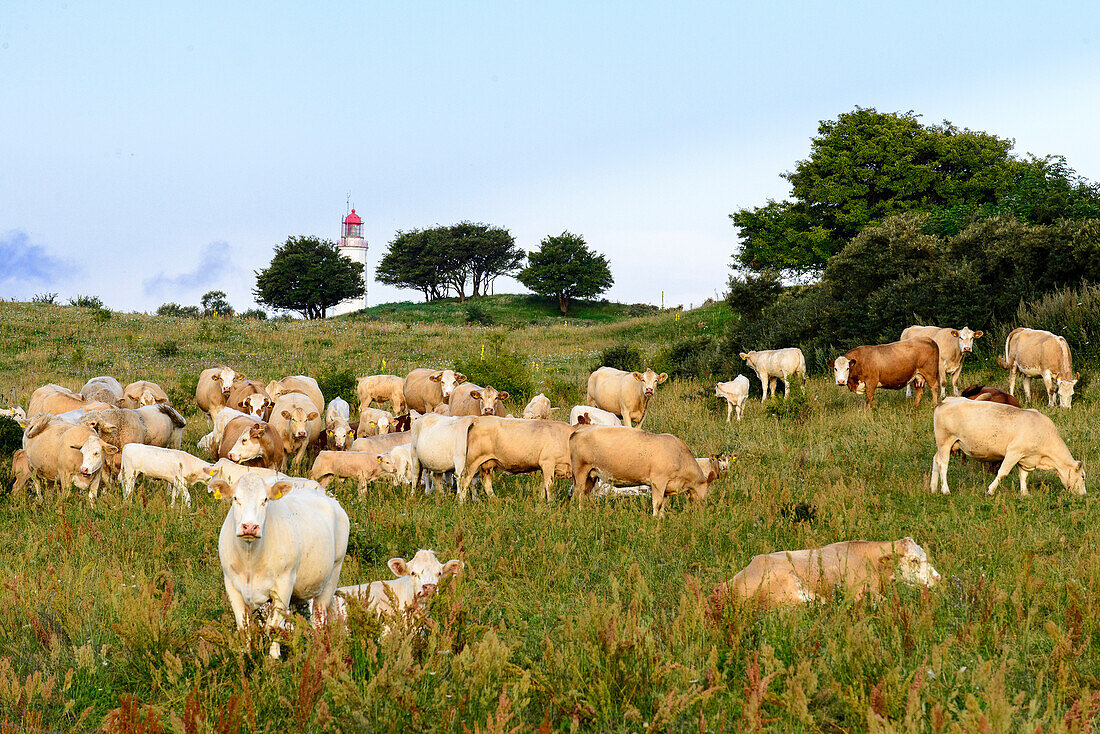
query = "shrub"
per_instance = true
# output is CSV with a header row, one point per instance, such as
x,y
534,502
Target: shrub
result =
x,y
167,348
622,357
502,368
475,314
796,407
1070,312
751,294
338,383
216,303
692,357
50,298
82,301
11,436
255,314
174,309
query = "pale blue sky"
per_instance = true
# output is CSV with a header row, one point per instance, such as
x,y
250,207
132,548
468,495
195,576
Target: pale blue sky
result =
x,y
152,151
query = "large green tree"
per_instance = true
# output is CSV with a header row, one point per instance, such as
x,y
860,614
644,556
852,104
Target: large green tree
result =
x,y
308,275
564,268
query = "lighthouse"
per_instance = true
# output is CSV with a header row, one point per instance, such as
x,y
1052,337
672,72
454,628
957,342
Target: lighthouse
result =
x,y
354,248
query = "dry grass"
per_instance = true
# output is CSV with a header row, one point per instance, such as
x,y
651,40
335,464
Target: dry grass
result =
x,y
592,618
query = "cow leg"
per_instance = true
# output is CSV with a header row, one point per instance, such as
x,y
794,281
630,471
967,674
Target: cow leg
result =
x,y
729,411
625,413
547,481
487,481
93,488
1010,460
658,489
786,386
763,377
773,383
954,384
1052,390
740,410
276,620
1027,387
1012,378
466,479
236,602
128,479
869,393
939,468
1023,480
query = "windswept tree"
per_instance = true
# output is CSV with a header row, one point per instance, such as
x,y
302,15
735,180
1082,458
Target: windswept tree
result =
x,y
564,268
412,261
308,275
490,252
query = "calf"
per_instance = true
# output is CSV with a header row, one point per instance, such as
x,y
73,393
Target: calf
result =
x,y
626,394
250,397
735,393
298,424
865,369
398,463
374,422
73,456
338,431
382,443
772,365
439,446
178,468
362,466
232,472
279,545
538,409
250,441
589,416
412,589
213,388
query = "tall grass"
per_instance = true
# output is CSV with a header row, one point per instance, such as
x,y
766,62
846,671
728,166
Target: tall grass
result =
x,y
566,618
1070,312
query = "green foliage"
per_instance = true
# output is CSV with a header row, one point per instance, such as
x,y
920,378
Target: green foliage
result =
x,y
1070,312
622,357
794,407
565,268
82,301
475,314
506,309
750,294
182,394
502,368
11,436
178,311
254,314
216,303
336,382
166,349
694,357
50,298
308,275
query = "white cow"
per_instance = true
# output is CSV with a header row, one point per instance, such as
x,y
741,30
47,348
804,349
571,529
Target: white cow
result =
x,y
398,462
279,544
626,392
1037,353
374,422
772,365
231,472
338,431
735,393
954,345
413,588
595,416
439,447
178,468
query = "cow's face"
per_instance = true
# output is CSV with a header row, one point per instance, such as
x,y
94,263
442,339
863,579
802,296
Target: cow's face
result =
x,y
339,433
377,426
256,404
750,358
225,378
248,500
1075,482
1065,391
93,454
650,380
297,421
448,380
842,367
911,564
489,398
966,338
249,445
424,570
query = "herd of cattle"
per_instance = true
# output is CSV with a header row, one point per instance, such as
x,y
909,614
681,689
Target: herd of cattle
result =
x,y
444,428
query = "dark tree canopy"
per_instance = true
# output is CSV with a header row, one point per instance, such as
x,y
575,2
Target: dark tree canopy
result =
x,y
564,268
216,303
308,275
445,259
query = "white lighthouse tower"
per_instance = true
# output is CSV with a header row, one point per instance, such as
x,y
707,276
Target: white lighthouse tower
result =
x,y
354,248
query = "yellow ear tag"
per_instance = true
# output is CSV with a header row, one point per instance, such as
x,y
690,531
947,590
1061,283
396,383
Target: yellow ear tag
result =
x,y
217,494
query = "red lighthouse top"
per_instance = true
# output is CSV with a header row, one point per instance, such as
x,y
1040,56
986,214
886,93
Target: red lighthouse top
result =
x,y
352,218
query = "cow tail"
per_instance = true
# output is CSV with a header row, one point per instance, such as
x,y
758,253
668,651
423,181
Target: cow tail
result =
x,y
177,420
1003,361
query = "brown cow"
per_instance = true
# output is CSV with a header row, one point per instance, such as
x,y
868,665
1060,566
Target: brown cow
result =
x,y
250,397
990,395
252,442
362,466
424,388
517,446
867,368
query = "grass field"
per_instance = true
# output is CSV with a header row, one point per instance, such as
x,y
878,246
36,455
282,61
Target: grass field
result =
x,y
507,309
567,618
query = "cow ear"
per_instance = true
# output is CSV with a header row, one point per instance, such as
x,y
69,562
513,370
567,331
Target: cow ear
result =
x,y
220,488
133,397
256,431
977,334
1081,465
1076,378
637,376
502,396
712,476
830,363
742,355
215,378
278,489
110,449
286,414
312,416
459,377
662,377
399,566
583,419
955,333
380,458
475,394
452,567
435,378
850,363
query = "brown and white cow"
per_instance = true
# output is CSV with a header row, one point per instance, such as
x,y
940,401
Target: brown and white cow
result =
x,y
424,388
867,368
772,365
954,345
1037,353
252,442
250,397
471,399
991,395
986,431
213,388
626,394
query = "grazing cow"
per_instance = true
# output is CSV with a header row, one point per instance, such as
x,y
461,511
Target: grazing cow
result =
x,y
338,431
471,399
716,464
626,394
425,388
297,423
398,462
375,422
300,384
439,447
797,577
990,394
362,466
116,426
163,424
1036,353
142,392
382,389
589,416
73,456
250,441
412,589
634,456
105,389
381,443
55,400
213,388
986,431
954,345
249,396
178,468
538,408
735,393
279,545
867,368
517,446
772,365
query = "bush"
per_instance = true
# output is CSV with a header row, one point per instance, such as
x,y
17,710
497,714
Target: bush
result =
x,y
11,436
255,314
475,314
339,383
216,303
504,369
749,295
50,298
86,302
622,357
1070,312
693,357
796,407
174,309
167,348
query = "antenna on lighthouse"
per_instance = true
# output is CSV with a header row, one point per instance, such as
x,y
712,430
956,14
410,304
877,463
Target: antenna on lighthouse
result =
x,y
347,205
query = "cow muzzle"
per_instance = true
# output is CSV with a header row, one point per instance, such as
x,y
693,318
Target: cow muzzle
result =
x,y
649,392
248,531
86,471
300,434
225,390
841,383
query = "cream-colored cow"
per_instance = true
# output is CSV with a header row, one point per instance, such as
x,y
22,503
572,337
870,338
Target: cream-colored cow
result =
x,y
1037,353
735,393
772,365
954,345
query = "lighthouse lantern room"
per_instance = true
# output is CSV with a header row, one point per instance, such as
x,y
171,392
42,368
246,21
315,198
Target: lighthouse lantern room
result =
x,y
354,248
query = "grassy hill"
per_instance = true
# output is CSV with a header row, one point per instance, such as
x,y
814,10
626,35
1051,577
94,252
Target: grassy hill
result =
x,y
506,308
567,618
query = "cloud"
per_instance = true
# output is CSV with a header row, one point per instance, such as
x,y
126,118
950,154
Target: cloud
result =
x,y
27,266
215,266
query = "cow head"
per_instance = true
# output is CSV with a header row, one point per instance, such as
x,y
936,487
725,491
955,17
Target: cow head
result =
x,y
424,570
842,369
225,376
966,338
249,445
1075,478
93,454
298,420
749,357
448,380
489,398
98,422
377,425
248,500
257,404
339,433
397,463
911,564
224,469
537,408
1065,390
650,380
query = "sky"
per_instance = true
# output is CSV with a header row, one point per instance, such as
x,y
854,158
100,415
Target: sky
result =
x,y
150,152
